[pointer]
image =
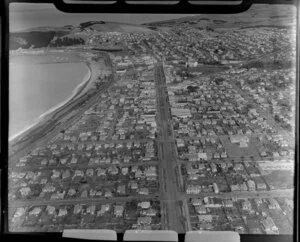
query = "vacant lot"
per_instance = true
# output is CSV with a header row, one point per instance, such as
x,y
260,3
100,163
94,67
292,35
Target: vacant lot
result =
x,y
234,150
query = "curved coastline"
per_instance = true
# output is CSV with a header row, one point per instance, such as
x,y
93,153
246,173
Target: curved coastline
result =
x,y
43,116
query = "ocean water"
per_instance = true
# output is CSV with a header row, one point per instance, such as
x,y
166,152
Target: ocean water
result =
x,y
35,87
28,15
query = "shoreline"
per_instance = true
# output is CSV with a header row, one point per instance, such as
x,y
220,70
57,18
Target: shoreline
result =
x,y
86,79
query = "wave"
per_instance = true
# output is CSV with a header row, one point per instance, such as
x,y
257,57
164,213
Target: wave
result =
x,y
41,118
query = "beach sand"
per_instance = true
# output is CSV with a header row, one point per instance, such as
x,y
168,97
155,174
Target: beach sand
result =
x,y
45,115
75,93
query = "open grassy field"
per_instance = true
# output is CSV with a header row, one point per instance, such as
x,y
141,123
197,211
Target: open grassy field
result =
x,y
234,150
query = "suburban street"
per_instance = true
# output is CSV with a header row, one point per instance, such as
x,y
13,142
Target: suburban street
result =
x,y
81,166
40,202
248,194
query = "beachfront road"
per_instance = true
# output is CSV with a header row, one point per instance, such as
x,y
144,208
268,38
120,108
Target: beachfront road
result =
x,y
60,120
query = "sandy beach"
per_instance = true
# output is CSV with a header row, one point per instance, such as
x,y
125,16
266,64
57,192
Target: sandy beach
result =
x,y
75,92
41,118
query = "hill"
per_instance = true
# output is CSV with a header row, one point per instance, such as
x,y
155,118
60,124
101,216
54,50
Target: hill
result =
x,y
26,40
102,26
257,15
68,35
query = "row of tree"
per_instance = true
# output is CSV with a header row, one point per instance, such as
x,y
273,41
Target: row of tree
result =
x,y
66,41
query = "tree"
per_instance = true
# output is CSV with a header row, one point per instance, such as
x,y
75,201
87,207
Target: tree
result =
x,y
192,88
209,29
133,204
66,41
219,80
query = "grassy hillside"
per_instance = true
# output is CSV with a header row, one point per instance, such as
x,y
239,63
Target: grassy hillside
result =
x,y
67,35
27,39
117,27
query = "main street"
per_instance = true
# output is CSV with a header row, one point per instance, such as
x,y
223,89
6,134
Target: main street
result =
x,y
169,194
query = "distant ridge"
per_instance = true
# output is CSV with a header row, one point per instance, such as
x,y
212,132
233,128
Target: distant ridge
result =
x,y
45,36
259,15
90,23
99,25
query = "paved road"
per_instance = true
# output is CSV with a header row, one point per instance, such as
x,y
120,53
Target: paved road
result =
x,y
170,196
289,193
226,136
108,141
40,202
81,166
